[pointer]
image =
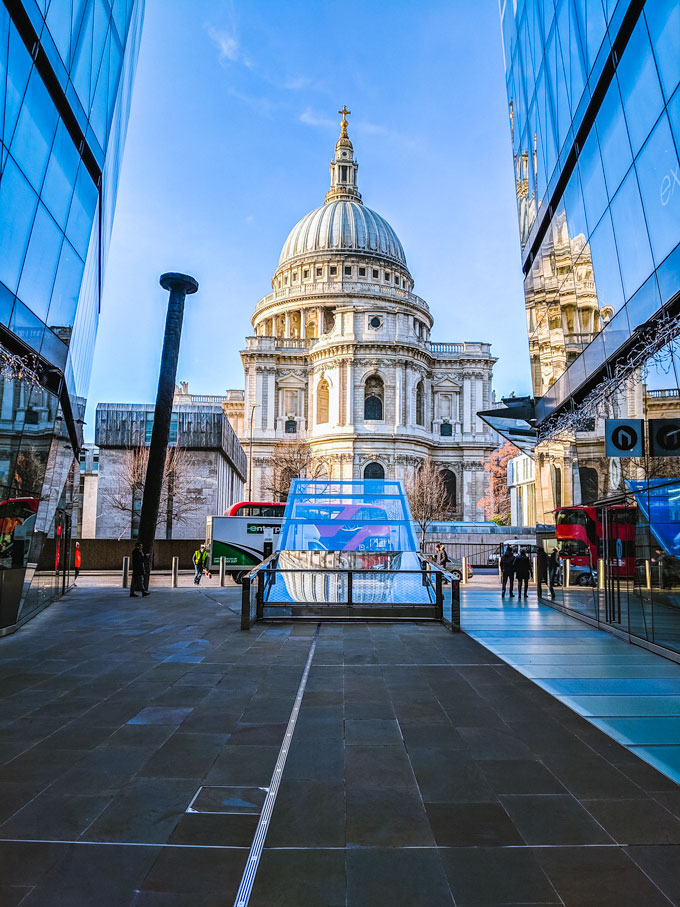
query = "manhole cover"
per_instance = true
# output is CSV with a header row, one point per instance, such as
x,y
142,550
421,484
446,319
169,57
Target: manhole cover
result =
x,y
244,800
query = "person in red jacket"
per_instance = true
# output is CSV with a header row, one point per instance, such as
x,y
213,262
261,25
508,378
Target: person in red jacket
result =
x,y
77,561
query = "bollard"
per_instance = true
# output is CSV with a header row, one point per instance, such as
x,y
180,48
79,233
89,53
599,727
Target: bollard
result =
x,y
175,572
223,564
648,575
464,572
567,572
534,567
126,572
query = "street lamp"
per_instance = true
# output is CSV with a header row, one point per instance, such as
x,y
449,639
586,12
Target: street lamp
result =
x,y
253,407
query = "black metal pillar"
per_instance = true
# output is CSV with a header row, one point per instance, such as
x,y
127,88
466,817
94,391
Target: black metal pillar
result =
x,y
179,285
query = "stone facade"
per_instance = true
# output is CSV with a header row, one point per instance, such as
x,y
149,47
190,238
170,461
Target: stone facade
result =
x,y
341,357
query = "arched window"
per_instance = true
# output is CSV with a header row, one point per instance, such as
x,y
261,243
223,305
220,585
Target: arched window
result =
x,y
373,398
556,477
374,471
420,404
322,402
449,480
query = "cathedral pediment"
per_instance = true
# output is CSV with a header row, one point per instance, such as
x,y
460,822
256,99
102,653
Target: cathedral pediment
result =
x,y
291,382
446,384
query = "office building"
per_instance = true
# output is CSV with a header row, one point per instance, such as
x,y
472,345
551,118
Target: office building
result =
x,y
66,73
594,109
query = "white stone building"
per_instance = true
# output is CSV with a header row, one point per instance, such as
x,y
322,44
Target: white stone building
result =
x,y
341,357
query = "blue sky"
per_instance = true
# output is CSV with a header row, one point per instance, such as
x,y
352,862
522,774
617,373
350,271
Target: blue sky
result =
x,y
232,128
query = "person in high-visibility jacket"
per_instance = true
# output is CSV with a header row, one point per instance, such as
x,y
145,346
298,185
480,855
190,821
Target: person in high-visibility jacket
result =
x,y
200,562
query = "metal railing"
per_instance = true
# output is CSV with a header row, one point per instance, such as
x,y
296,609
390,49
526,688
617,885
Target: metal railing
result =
x,y
270,592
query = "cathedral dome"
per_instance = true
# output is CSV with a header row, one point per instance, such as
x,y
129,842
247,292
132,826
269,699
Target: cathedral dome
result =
x,y
343,225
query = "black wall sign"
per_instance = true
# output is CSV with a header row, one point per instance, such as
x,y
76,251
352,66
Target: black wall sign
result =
x,y
664,437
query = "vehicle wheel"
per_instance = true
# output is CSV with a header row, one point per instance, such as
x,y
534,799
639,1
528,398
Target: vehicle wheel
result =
x,y
584,580
456,574
238,576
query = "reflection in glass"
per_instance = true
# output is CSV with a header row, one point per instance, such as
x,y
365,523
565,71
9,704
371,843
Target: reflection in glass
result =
x,y
632,240
639,84
658,171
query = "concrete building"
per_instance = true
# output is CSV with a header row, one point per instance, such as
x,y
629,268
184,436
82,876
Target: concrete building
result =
x,y
341,357
84,516
206,472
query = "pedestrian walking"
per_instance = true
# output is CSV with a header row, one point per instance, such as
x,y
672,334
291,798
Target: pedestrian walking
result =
x,y
553,570
508,571
77,561
441,557
199,560
138,571
541,570
523,570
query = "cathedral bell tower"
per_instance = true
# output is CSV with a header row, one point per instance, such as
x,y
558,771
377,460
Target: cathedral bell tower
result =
x,y
343,167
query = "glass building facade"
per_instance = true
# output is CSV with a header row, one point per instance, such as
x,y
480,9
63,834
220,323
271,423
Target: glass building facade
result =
x,y
594,104
66,72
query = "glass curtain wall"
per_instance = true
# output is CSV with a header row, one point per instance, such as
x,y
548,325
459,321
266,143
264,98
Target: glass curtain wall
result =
x,y
66,68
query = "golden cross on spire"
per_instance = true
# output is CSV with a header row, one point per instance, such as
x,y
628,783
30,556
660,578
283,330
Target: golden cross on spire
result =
x,y
343,124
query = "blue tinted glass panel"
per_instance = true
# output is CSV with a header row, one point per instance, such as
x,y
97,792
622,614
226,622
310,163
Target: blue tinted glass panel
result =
x,y
658,172
630,229
81,72
614,143
61,173
27,326
606,266
66,288
4,43
644,304
639,84
592,180
663,19
18,71
40,266
6,304
18,203
34,131
59,24
674,116
573,199
595,26
82,211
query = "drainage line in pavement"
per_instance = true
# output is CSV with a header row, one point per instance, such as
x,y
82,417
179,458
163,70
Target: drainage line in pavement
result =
x,y
248,879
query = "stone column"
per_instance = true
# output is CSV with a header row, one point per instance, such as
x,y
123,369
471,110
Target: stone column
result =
x,y
350,392
303,324
287,324
467,401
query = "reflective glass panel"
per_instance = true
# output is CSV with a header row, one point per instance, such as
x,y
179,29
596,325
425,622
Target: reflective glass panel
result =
x,y
613,135
639,84
18,203
663,19
61,173
632,241
606,268
592,180
658,172
40,266
35,130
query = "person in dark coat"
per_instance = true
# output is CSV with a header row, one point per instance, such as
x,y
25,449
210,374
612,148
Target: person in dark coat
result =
x,y
523,570
138,571
541,570
441,557
553,570
508,571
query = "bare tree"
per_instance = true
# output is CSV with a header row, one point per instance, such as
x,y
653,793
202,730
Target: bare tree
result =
x,y
179,500
292,459
428,497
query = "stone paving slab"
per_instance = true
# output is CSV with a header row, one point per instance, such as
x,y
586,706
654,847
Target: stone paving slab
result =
x,y
423,768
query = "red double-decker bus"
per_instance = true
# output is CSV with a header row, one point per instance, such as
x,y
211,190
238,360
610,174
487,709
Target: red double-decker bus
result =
x,y
257,508
586,534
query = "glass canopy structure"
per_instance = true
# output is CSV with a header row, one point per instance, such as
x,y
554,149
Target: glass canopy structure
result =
x,y
348,544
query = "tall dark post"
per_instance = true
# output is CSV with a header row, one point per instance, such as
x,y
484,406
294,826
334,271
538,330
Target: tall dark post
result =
x,y
179,285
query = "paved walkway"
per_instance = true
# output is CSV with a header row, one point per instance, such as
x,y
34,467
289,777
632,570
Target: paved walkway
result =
x,y
139,738
629,693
